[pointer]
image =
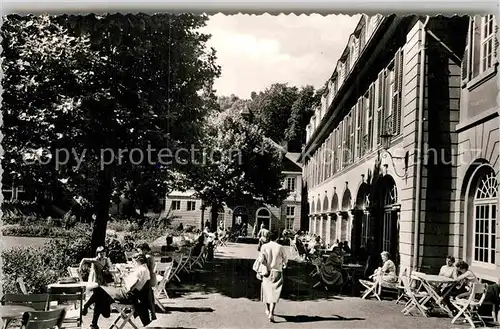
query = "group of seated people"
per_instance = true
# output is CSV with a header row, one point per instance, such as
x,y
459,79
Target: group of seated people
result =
x,y
137,288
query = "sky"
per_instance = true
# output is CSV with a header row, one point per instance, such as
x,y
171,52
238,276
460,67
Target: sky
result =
x,y
257,51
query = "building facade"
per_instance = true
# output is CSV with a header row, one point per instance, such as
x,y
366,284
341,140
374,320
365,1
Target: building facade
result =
x,y
188,210
384,159
476,206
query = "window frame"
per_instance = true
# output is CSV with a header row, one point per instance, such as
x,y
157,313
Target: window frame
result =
x,y
176,202
190,203
490,202
485,20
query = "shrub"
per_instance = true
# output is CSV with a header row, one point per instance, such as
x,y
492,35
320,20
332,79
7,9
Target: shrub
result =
x,y
42,266
45,265
29,263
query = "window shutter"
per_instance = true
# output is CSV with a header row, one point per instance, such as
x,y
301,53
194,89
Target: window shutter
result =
x,y
466,58
397,97
495,38
476,47
381,105
362,127
371,116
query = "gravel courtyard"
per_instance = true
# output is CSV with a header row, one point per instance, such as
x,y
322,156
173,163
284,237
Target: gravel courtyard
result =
x,y
226,295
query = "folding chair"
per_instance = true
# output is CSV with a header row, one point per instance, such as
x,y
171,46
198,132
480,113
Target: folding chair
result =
x,y
70,298
415,299
372,287
468,307
126,311
43,319
160,290
197,260
74,272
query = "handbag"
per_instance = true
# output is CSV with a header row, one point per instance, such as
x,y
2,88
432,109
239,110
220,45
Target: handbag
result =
x,y
260,269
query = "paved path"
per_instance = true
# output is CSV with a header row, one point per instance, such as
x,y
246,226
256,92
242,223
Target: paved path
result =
x,y
226,295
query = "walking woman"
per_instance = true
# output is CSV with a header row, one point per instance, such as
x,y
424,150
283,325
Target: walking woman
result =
x,y
273,256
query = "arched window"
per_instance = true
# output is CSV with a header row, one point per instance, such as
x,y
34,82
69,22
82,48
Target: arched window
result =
x,y
485,214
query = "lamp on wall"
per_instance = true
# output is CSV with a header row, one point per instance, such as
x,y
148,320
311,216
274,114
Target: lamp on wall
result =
x,y
386,144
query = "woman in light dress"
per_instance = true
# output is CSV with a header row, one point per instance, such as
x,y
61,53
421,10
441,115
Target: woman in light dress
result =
x,y
388,270
273,256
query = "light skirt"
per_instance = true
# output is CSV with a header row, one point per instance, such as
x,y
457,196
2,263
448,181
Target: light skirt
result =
x,y
271,287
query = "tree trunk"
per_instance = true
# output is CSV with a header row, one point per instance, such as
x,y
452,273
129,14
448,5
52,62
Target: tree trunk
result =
x,y
213,217
103,203
202,215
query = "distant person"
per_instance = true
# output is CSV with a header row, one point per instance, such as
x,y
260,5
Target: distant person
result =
x,y
145,250
168,248
262,236
273,256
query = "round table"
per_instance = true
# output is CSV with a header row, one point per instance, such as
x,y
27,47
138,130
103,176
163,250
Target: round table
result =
x,y
12,312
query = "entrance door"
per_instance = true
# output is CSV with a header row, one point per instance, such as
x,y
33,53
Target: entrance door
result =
x,y
390,230
263,217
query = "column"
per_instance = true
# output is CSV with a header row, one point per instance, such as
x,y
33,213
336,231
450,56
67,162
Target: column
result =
x,y
341,219
328,230
310,224
320,228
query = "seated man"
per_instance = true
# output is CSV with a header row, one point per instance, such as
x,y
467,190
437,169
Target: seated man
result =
x,y
449,270
131,293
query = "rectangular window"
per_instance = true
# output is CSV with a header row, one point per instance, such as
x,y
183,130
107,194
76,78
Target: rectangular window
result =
x,y
290,216
369,126
176,205
290,184
487,42
191,205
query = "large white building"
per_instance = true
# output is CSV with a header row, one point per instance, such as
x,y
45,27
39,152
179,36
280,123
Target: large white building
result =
x,y
404,147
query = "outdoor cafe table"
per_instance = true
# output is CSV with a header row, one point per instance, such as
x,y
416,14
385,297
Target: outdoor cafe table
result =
x,y
87,285
12,312
429,282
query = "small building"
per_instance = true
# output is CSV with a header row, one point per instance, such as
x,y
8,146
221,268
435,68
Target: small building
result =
x,y
188,210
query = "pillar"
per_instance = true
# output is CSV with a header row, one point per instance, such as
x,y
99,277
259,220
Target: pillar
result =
x,y
320,228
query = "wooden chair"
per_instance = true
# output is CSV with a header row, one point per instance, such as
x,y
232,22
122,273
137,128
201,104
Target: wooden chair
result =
x,y
160,291
70,298
38,302
415,299
468,307
126,311
43,319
